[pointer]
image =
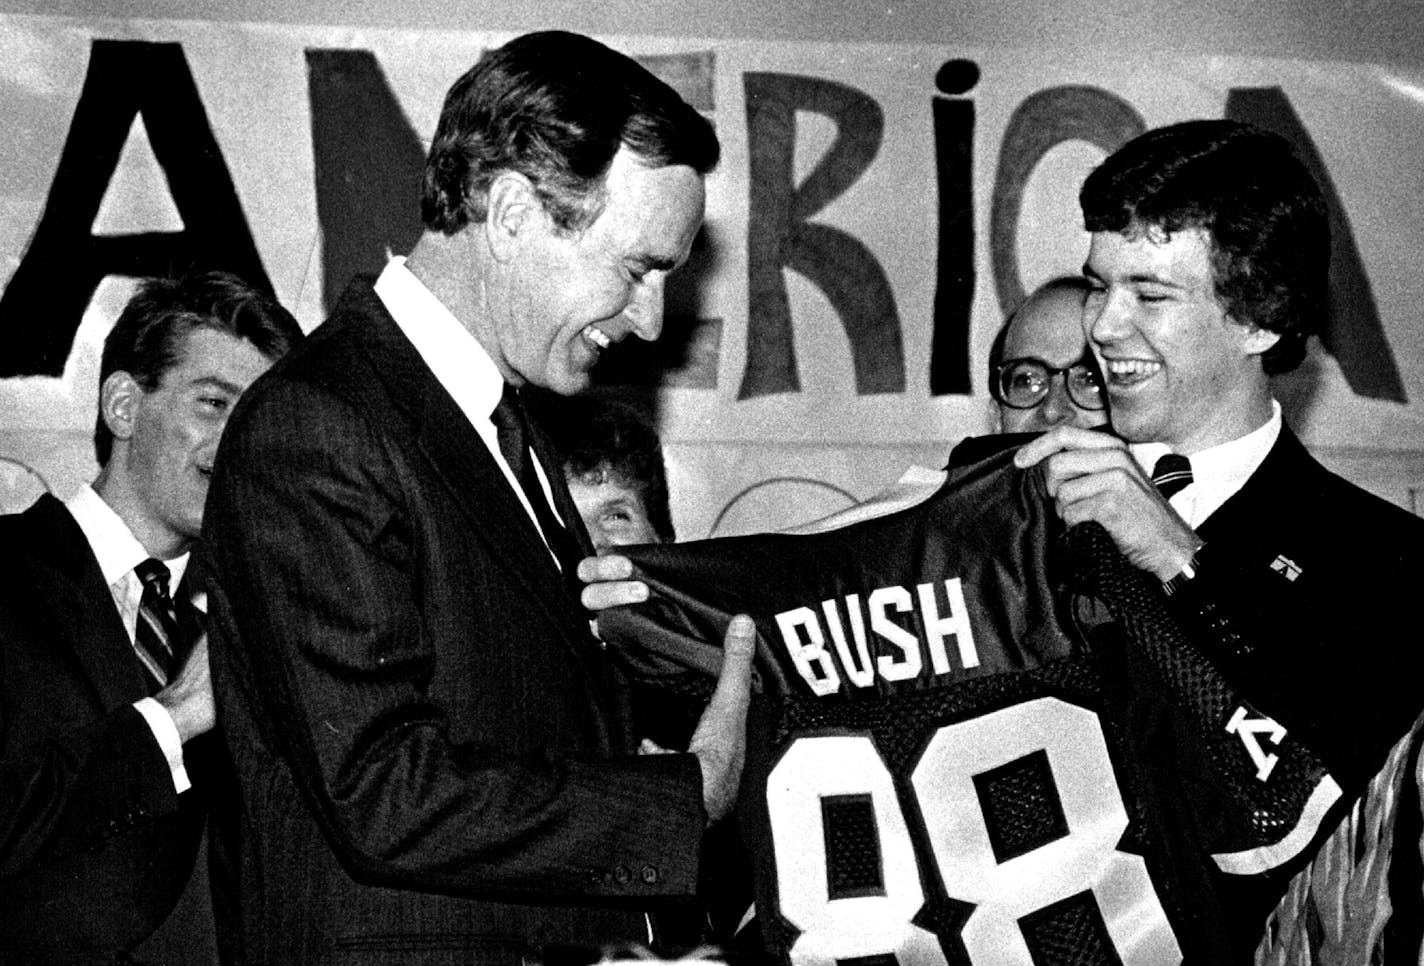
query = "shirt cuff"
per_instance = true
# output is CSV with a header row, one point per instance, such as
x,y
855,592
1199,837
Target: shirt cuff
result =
x,y
165,732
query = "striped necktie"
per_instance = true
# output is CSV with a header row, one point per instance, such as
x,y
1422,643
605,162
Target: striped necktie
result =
x,y
156,634
1172,474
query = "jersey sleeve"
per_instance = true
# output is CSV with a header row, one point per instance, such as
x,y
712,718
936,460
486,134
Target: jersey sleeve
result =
x,y
1270,793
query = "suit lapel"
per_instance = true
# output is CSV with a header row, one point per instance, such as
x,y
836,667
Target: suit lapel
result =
x,y
68,582
453,449
1261,521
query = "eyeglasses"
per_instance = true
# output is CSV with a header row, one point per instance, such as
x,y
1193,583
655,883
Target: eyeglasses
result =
x,y
1024,383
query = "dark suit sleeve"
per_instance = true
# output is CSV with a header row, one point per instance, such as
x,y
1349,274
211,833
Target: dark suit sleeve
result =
x,y
74,791
332,641
78,765
1309,615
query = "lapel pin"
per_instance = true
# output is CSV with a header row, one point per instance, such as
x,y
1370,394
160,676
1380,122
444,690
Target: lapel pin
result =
x,y
1286,567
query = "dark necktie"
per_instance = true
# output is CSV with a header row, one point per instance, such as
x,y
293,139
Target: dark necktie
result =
x,y
156,635
1172,474
512,430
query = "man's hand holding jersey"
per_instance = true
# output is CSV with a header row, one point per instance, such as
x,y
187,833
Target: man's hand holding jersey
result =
x,y
720,740
609,582
1092,476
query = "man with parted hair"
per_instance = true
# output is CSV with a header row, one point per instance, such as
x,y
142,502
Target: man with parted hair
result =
x,y
436,759
107,767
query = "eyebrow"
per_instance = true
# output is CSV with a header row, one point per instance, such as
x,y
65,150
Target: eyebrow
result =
x,y
216,382
1140,278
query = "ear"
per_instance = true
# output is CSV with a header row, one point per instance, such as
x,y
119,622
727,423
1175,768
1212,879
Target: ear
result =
x,y
512,210
1256,340
119,400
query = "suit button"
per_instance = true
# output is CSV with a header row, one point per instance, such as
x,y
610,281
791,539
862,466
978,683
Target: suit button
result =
x,y
595,876
622,876
650,874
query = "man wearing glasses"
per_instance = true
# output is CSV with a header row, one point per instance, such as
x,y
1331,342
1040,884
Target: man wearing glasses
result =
x,y
1041,341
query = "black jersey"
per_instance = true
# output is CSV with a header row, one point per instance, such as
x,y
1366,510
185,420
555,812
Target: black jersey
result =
x,y
983,741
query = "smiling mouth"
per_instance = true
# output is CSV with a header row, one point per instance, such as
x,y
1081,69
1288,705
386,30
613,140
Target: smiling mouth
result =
x,y
1129,372
597,336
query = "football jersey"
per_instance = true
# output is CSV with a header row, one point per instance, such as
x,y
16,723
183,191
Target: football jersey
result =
x,y
980,739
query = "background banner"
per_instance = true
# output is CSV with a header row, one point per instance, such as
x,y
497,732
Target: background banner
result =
x,y
877,210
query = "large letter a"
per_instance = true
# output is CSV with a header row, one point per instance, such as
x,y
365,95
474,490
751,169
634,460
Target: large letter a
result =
x,y
42,306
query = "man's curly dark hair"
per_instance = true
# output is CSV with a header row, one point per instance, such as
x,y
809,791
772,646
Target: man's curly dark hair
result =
x,y
1264,214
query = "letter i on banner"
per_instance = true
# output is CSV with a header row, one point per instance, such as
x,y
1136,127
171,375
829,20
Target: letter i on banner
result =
x,y
954,279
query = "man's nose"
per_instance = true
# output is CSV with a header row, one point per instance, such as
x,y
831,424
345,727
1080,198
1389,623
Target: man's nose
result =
x,y
1109,320
645,309
1057,408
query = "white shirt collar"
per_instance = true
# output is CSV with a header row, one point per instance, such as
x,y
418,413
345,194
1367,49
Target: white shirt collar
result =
x,y
455,357
457,360
115,547
1217,472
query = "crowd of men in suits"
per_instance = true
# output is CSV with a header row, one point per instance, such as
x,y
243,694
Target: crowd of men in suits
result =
x,y
426,756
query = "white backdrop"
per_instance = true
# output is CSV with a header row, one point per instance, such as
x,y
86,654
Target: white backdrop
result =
x,y
740,461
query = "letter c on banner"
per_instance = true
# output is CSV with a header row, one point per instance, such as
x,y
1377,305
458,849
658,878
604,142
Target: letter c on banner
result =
x,y
1043,121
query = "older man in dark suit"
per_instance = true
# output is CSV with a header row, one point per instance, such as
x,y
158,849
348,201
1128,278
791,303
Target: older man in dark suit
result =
x,y
434,752
106,767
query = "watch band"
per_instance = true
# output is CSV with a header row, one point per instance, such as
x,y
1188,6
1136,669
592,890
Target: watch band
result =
x,y
1186,575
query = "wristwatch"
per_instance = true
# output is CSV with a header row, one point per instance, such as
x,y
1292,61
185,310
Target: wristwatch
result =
x,y
1186,575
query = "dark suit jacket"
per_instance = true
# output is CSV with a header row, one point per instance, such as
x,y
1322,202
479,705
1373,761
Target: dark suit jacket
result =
x,y
431,746
1305,598
95,845
1308,589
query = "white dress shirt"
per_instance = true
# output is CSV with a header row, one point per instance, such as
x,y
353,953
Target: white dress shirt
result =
x,y
118,552
1218,472
459,363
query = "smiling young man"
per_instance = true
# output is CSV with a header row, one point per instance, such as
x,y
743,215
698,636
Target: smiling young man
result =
x,y
105,765
1209,264
435,754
